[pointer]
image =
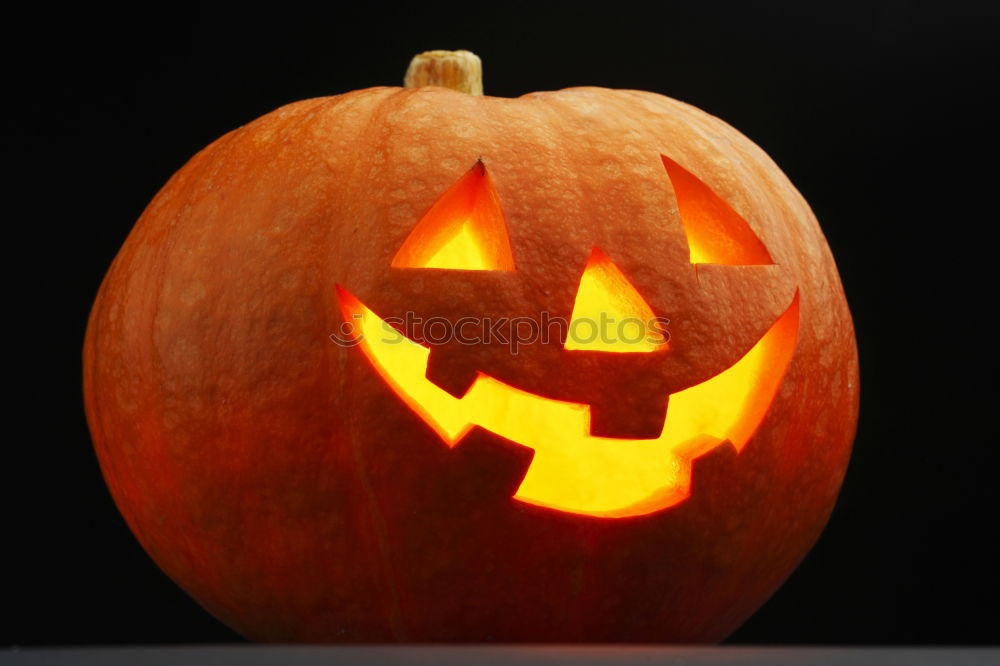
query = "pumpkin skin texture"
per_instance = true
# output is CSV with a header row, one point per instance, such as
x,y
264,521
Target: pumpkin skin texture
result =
x,y
277,478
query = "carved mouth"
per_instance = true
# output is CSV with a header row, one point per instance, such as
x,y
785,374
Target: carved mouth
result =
x,y
573,470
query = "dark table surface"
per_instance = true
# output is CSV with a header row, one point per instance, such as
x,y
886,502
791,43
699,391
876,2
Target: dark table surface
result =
x,y
253,655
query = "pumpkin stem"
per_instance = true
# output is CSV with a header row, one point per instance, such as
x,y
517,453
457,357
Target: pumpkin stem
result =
x,y
458,70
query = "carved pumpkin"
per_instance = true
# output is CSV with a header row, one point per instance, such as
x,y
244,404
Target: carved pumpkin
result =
x,y
408,485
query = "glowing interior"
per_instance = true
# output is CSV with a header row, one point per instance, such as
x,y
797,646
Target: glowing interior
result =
x,y
716,233
573,470
463,250
464,230
609,314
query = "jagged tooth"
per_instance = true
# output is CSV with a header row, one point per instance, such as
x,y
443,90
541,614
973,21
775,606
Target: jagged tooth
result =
x,y
635,417
453,376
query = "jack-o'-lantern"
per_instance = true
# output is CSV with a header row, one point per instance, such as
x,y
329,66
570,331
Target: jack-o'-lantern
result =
x,y
420,364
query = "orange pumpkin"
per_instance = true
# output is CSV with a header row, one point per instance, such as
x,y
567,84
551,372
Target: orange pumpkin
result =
x,y
307,471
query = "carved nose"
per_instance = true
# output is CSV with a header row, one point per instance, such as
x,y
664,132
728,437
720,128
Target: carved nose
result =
x,y
609,313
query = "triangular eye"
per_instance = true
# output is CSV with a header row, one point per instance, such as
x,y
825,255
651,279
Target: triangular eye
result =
x,y
464,230
716,233
609,313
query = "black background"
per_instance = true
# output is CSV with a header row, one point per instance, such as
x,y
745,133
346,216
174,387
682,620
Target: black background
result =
x,y
881,113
